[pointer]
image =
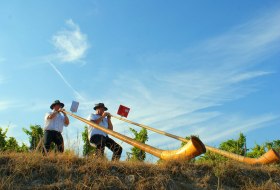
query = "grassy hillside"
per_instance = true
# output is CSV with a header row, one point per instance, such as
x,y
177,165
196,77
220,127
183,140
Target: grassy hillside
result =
x,y
33,171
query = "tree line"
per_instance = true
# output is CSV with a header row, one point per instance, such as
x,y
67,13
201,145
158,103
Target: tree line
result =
x,y
35,133
237,146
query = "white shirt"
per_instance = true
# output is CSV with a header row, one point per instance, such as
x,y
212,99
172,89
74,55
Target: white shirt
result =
x,y
55,123
93,131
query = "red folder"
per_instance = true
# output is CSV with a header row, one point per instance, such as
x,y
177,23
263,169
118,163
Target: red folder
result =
x,y
123,111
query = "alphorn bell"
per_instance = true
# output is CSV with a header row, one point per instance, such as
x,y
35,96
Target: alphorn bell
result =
x,y
269,157
193,148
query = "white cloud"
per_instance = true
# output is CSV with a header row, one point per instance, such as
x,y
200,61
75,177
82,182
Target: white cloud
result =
x,y
210,74
27,105
71,43
249,75
71,46
214,131
234,125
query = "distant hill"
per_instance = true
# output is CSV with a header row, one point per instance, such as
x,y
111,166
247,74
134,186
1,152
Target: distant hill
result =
x,y
66,171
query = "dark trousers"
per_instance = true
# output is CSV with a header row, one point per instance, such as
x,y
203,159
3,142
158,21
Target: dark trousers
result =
x,y
53,136
101,141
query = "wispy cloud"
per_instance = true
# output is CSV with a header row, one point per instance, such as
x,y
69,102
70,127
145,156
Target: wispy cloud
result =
x,y
66,82
28,105
71,43
179,87
234,126
249,75
210,74
213,131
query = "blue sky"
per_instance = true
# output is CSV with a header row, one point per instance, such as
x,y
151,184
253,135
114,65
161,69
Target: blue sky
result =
x,y
207,68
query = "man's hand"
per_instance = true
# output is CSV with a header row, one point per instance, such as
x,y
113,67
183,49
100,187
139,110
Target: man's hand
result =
x,y
62,111
52,115
106,114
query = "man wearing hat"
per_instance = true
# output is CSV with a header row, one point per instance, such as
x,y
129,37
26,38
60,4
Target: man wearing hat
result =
x,y
99,138
54,122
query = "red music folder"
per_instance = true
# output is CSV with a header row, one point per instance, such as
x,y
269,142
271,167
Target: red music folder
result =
x,y
123,111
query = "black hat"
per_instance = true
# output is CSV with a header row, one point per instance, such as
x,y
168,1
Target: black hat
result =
x,y
100,105
55,103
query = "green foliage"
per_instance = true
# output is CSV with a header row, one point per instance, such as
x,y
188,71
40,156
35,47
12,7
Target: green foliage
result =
x,y
235,146
12,145
87,148
34,134
184,143
3,139
239,147
211,156
188,138
257,151
23,148
207,156
273,145
138,154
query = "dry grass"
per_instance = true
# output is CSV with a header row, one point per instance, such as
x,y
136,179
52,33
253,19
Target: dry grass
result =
x,y
67,171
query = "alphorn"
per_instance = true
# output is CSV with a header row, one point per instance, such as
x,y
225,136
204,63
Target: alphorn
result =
x,y
270,156
193,148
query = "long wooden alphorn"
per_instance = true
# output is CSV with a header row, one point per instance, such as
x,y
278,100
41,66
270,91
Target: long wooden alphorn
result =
x,y
193,148
269,157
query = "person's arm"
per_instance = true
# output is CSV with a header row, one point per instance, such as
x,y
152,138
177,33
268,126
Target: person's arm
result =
x,y
110,125
52,115
66,119
97,121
